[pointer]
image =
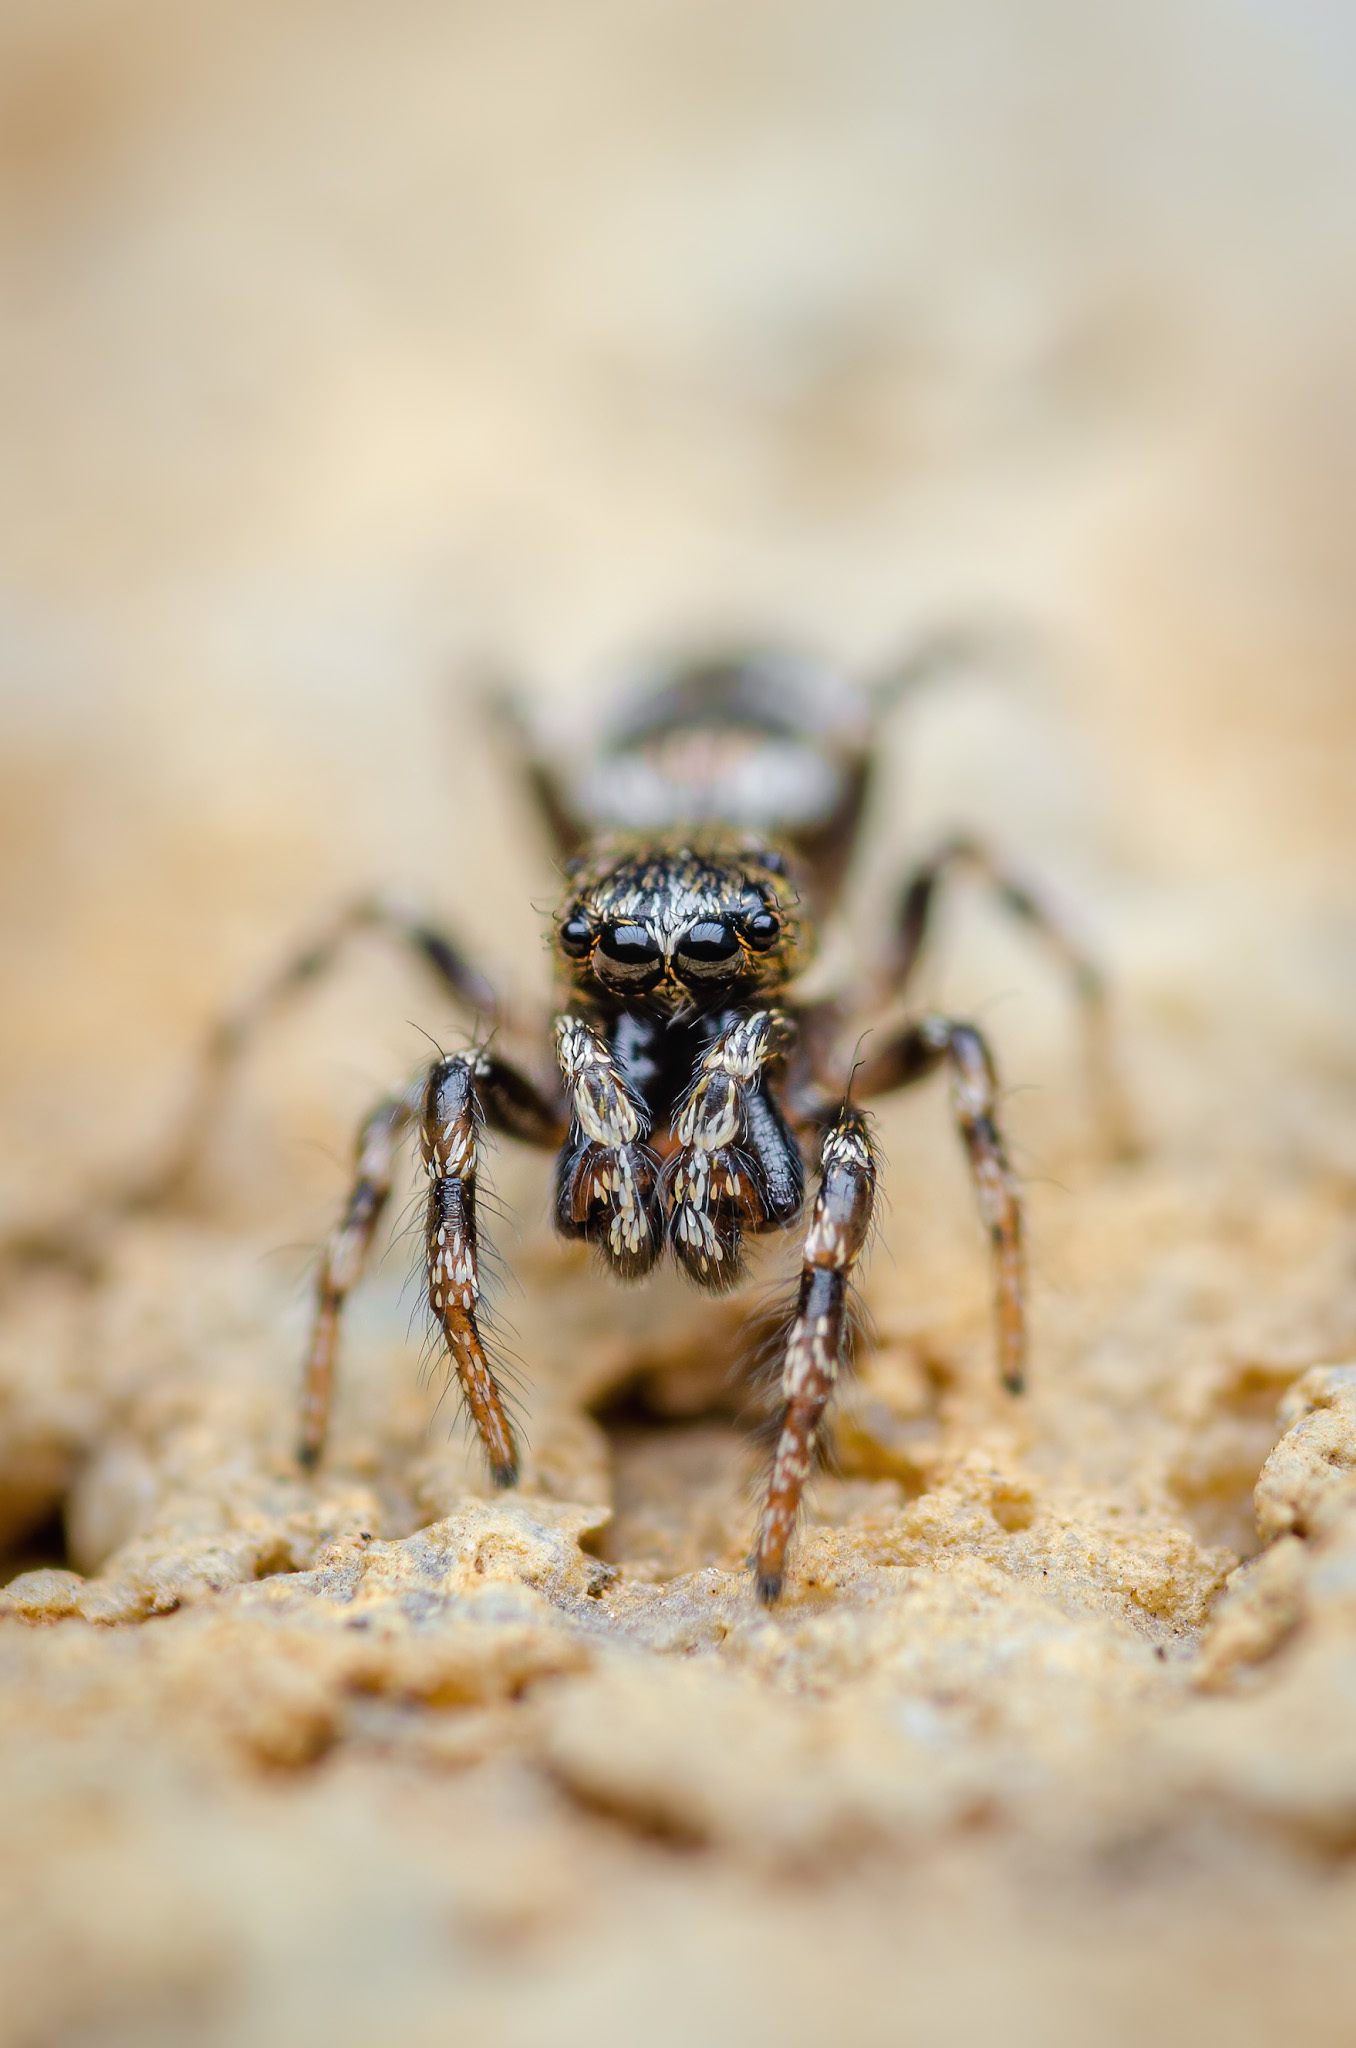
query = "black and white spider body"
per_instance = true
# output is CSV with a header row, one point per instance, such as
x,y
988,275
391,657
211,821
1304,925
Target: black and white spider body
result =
x,y
693,1090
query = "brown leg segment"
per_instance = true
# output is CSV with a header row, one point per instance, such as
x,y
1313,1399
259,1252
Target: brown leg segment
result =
x,y
839,1225
449,1142
1028,903
341,1268
914,1053
458,1096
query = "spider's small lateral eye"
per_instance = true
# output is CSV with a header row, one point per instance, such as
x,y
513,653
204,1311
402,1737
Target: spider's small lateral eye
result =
x,y
708,944
576,936
629,945
762,929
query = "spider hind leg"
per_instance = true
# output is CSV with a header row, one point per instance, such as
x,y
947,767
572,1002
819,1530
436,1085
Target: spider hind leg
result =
x,y
914,1052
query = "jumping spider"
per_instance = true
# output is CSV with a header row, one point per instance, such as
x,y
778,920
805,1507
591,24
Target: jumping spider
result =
x,y
702,846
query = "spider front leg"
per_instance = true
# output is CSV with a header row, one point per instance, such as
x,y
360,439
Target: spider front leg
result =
x,y
815,1350
739,1166
915,1052
457,1099
607,1188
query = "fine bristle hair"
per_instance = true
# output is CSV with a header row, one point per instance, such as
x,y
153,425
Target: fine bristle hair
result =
x,y
761,1365
735,1270
504,1365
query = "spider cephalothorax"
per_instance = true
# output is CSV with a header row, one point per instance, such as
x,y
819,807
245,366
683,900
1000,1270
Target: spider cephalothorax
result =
x,y
705,833
680,925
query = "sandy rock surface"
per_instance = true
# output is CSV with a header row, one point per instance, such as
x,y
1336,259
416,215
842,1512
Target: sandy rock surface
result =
x,y
348,350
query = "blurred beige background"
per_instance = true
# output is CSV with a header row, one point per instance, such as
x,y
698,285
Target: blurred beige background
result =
x,y
346,347
341,343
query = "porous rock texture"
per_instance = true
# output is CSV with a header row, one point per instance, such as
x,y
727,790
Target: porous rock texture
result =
x,y
356,346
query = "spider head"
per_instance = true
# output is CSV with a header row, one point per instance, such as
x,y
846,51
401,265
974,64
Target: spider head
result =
x,y
679,927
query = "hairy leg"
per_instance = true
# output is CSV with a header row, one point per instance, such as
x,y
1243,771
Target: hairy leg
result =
x,y
738,1167
607,1189
449,1142
916,910
815,1348
912,1054
341,1266
458,1097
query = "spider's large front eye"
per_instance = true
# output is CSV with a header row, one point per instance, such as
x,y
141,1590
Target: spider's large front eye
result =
x,y
576,936
631,952
710,944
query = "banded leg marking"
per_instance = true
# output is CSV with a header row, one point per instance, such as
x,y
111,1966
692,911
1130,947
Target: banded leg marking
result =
x,y
914,1053
449,1141
342,1265
738,1167
450,1105
607,1189
839,1225
974,1091
1027,903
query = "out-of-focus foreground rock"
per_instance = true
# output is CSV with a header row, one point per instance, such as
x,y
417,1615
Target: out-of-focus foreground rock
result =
x,y
347,350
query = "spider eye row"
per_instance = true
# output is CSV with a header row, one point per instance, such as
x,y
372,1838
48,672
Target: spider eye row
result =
x,y
709,944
